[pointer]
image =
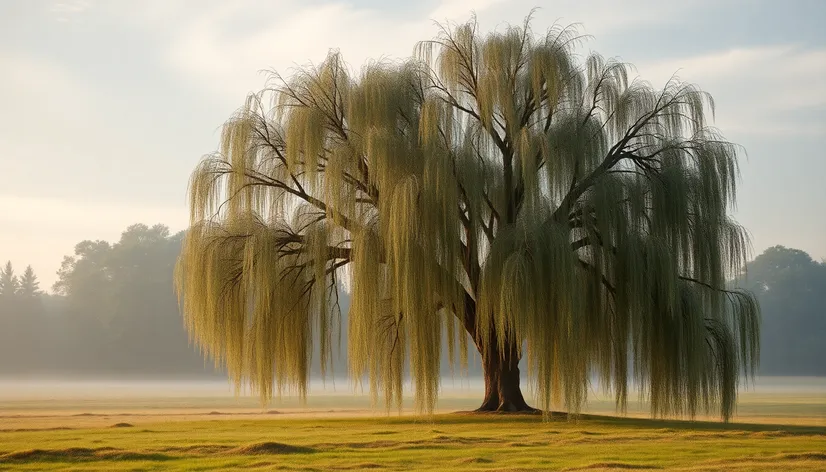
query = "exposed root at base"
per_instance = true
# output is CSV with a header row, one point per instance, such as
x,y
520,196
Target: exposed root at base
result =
x,y
509,410
505,411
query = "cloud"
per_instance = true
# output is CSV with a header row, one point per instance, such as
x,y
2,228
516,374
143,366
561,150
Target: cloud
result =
x,y
29,80
65,10
40,99
758,90
222,47
64,168
460,9
57,122
217,51
221,50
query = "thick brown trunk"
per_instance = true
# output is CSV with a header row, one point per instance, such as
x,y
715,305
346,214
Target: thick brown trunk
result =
x,y
502,390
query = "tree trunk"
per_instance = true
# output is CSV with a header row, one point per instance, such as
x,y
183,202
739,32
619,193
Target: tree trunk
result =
x,y
502,390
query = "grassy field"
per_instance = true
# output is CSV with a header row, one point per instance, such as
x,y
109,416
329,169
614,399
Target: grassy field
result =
x,y
182,432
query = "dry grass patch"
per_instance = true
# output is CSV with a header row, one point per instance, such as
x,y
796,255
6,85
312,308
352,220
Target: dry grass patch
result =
x,y
269,447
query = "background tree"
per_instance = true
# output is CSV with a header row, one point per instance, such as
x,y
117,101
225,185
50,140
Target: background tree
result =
x,y
119,300
791,288
145,335
26,322
492,181
8,281
8,313
29,286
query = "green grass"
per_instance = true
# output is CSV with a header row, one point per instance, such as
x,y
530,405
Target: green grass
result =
x,y
455,442
97,429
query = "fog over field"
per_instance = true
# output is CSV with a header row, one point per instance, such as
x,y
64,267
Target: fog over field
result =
x,y
21,388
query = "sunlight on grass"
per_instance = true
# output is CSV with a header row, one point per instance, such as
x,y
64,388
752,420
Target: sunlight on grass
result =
x,y
455,442
106,432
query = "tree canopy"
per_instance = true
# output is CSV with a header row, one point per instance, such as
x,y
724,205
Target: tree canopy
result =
x,y
491,188
791,288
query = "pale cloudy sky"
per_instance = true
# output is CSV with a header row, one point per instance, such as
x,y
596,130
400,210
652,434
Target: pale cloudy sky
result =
x,y
106,106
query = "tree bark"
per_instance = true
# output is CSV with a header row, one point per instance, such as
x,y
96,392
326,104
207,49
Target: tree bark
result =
x,y
502,390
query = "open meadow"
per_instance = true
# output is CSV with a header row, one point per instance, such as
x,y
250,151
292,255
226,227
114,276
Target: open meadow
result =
x,y
133,429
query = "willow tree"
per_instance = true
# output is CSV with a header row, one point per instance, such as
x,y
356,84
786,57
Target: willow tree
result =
x,y
490,189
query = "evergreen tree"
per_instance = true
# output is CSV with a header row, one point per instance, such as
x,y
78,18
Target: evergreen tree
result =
x,y
29,287
8,281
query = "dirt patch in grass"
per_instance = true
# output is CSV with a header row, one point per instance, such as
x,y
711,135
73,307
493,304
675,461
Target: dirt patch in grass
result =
x,y
79,453
802,456
259,465
361,466
438,441
810,456
464,440
772,434
588,439
707,435
472,460
361,445
35,430
527,444
615,466
52,454
199,449
268,447
122,455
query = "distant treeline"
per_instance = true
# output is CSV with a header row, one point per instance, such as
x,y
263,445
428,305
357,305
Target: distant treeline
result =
x,y
113,313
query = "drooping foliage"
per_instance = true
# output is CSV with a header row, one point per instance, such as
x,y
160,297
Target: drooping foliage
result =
x,y
492,185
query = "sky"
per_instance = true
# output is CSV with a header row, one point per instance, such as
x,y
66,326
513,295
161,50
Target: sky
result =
x,y
107,106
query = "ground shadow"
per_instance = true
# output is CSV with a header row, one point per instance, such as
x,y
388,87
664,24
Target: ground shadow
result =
x,y
472,417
